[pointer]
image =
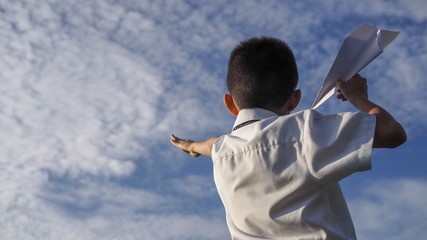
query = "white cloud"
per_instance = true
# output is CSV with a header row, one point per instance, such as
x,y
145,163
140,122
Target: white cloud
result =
x,y
391,209
97,210
76,104
90,91
412,9
195,185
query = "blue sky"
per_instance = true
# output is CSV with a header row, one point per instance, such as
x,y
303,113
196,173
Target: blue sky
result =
x,y
91,90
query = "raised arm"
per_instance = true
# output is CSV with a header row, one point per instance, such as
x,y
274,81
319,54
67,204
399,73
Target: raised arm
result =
x,y
388,132
194,148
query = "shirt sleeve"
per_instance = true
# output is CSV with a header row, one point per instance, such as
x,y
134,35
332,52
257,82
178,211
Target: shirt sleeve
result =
x,y
338,145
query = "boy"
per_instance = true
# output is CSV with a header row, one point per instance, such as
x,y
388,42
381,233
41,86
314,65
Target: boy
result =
x,y
277,173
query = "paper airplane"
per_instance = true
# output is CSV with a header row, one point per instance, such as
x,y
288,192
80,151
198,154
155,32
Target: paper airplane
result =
x,y
358,49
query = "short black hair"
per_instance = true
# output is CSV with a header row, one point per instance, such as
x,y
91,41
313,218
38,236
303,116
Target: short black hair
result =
x,y
262,73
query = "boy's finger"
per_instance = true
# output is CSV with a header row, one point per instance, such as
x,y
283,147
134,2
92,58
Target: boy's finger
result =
x,y
193,154
342,97
175,139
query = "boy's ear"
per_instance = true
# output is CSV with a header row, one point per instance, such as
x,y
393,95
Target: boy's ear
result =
x,y
294,100
230,105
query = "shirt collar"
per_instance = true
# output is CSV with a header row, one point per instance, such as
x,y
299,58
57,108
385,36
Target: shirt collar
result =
x,y
249,114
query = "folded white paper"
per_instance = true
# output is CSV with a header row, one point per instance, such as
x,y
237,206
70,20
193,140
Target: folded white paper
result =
x,y
358,49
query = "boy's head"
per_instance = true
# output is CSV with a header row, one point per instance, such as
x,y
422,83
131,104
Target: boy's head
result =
x,y
262,73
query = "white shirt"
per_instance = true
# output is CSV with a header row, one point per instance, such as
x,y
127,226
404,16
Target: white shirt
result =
x,y
278,177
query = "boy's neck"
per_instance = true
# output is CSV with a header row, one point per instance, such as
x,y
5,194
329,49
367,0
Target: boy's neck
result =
x,y
281,112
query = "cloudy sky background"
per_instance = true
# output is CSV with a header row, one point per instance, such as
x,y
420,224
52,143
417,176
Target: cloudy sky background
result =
x,y
91,90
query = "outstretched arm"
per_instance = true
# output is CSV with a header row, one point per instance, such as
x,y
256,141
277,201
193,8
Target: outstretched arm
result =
x,y
388,132
194,148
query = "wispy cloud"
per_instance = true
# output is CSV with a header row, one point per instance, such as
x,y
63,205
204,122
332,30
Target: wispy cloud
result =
x,y
90,91
97,210
391,209
195,186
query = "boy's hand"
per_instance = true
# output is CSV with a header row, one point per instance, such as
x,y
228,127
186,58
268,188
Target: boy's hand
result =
x,y
184,145
353,90
388,132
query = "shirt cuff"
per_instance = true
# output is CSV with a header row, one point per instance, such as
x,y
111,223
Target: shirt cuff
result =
x,y
365,152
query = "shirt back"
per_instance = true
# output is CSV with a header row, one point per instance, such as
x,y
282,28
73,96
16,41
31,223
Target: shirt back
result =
x,y
278,177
